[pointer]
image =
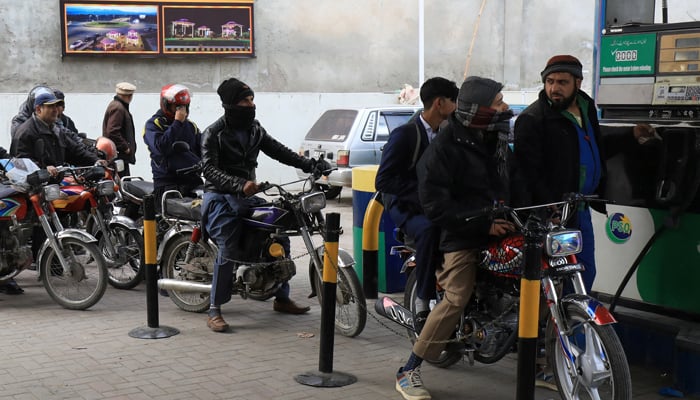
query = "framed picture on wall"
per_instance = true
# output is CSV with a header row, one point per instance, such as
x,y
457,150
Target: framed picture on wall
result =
x,y
109,28
208,29
157,28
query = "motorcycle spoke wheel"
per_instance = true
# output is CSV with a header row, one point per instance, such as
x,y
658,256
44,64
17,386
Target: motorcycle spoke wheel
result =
x,y
453,351
85,283
350,303
173,267
596,367
124,267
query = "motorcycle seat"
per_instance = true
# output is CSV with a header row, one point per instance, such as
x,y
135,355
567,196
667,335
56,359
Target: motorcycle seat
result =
x,y
185,208
137,188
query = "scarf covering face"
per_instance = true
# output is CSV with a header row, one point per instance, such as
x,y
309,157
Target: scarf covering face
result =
x,y
489,120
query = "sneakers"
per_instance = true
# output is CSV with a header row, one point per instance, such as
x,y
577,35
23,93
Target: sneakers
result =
x,y
289,307
546,380
217,324
410,385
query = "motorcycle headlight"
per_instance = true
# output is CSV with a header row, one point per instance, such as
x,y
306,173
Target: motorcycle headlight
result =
x,y
313,202
52,192
563,243
105,188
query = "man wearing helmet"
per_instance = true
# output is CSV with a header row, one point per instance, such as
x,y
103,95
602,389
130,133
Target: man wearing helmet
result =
x,y
166,127
230,149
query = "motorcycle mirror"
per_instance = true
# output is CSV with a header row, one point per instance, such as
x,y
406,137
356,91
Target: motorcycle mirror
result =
x,y
119,164
181,147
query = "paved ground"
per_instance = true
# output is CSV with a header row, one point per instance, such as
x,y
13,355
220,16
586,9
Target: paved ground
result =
x,y
52,353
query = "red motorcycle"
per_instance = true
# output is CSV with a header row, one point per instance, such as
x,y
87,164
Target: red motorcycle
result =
x,y
70,265
87,197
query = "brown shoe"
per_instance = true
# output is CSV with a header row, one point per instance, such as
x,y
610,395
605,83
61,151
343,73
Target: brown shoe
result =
x,y
217,324
289,307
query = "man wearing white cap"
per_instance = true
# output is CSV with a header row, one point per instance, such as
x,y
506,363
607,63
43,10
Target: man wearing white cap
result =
x,y
118,124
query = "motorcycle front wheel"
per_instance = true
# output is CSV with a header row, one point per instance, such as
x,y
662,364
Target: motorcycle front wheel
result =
x,y
124,267
452,352
597,368
86,282
350,303
174,266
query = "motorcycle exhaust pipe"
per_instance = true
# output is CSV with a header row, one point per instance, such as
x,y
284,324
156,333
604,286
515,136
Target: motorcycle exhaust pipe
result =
x,y
387,307
183,286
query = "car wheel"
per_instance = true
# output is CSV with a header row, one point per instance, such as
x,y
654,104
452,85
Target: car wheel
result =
x,y
331,192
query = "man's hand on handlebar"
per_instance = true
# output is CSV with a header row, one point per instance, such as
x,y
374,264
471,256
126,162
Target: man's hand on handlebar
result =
x,y
500,227
322,167
250,188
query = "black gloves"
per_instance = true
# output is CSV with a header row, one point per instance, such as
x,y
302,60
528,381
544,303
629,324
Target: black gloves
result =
x,y
322,167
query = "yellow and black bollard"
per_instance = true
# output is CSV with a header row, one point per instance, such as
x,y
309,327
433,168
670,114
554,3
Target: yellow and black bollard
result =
x,y
370,246
528,327
153,330
325,377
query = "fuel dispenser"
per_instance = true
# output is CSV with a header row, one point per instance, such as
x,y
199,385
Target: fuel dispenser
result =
x,y
650,73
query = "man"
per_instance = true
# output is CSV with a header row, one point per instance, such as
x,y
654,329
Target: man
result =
x,y
557,141
26,109
118,125
166,127
464,170
64,120
40,139
398,183
230,148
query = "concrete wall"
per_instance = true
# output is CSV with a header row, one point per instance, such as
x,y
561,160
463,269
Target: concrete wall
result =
x,y
311,55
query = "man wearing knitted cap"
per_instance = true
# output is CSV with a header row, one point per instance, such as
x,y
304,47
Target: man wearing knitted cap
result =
x,y
230,148
557,144
464,169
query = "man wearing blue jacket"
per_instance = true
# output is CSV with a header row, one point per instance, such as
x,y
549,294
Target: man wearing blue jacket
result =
x,y
398,183
166,127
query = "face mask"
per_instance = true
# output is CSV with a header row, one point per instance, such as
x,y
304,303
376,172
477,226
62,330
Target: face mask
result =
x,y
239,117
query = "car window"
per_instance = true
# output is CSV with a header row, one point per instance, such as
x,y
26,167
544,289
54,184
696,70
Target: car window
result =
x,y
386,122
333,125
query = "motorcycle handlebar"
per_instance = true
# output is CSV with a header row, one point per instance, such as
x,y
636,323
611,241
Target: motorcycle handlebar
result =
x,y
564,208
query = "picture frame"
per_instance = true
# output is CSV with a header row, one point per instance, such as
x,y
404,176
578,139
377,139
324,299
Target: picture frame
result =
x,y
179,28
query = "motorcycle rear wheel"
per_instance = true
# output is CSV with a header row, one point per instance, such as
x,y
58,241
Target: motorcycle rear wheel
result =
x,y
172,266
124,269
598,352
350,302
88,280
452,352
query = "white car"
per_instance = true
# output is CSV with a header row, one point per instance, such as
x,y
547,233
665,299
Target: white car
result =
x,y
350,137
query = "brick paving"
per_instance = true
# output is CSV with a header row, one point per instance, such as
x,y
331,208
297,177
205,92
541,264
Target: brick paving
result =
x,y
52,353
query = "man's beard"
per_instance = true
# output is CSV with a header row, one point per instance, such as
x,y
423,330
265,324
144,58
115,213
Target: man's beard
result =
x,y
561,105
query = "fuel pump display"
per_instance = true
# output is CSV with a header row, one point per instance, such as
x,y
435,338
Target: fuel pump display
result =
x,y
650,73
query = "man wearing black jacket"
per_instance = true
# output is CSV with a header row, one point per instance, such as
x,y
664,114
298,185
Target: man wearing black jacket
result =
x,y
558,147
464,170
230,148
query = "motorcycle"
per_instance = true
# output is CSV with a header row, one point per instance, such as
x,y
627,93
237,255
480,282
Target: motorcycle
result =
x,y
89,191
581,346
70,265
187,260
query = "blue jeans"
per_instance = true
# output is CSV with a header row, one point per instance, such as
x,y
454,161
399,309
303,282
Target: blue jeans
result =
x,y
222,220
